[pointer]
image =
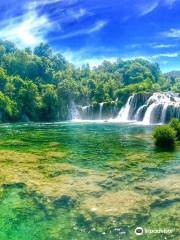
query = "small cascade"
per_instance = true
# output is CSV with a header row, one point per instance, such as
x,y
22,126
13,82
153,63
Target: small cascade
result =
x,y
124,113
140,113
149,114
101,110
74,113
164,111
147,108
98,111
151,108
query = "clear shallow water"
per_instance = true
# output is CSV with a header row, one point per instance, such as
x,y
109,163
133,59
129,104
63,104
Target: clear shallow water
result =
x,y
86,181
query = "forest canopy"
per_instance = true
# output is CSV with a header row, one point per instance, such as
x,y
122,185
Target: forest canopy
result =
x,y
40,85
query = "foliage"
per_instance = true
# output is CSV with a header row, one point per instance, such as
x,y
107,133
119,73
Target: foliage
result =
x,y
175,124
40,85
165,136
174,80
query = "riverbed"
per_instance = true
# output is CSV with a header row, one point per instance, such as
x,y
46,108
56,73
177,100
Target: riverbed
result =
x,y
86,181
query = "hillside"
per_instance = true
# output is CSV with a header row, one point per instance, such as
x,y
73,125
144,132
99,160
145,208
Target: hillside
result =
x,y
39,85
174,74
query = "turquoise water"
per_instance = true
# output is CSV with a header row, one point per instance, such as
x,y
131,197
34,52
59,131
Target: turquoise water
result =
x,y
74,181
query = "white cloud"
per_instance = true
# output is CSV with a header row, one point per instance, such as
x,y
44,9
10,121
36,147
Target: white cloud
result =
x,y
36,4
158,46
172,33
153,57
95,62
136,57
31,28
167,55
148,7
98,26
81,57
78,13
95,28
78,58
29,31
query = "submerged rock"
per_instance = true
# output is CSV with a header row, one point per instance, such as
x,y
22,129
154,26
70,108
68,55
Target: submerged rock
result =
x,y
117,203
64,202
14,185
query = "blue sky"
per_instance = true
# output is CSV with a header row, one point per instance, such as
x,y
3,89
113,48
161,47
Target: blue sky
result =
x,y
94,30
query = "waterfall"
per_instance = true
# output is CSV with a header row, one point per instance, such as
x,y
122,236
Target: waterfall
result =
x,y
98,111
124,113
140,111
74,113
101,110
153,108
145,108
164,111
148,115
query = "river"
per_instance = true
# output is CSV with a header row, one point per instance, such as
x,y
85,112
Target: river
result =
x,y
86,181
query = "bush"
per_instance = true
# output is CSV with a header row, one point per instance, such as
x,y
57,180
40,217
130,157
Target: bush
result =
x,y
165,136
175,124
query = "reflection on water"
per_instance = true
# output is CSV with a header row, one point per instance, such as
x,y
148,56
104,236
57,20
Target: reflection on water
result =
x,y
85,181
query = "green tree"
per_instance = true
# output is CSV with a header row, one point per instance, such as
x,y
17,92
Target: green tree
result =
x,y
43,50
49,108
7,108
99,93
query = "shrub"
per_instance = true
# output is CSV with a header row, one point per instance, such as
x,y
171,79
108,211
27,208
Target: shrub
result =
x,y
175,124
165,136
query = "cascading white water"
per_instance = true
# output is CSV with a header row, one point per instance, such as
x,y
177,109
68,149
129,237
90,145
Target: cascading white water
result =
x,y
143,107
139,112
148,114
152,108
124,112
101,110
164,111
156,100
74,113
